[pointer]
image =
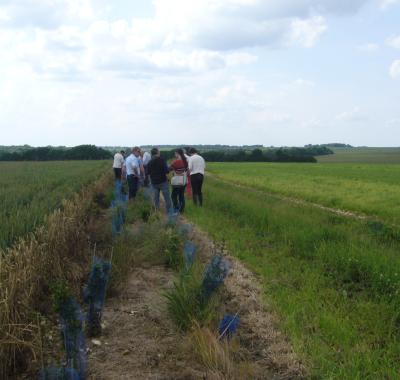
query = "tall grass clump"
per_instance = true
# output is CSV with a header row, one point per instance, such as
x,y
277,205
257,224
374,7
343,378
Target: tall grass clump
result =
x,y
173,250
140,210
186,303
56,252
219,357
144,244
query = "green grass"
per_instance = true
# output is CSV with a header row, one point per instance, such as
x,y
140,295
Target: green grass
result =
x,y
366,188
334,281
363,155
186,304
31,190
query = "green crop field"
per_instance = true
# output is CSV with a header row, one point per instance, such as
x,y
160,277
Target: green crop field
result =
x,y
333,280
363,155
366,188
30,190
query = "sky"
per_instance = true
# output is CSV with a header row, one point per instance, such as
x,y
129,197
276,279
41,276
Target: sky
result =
x,y
138,72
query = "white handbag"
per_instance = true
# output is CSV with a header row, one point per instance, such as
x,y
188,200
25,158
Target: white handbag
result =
x,y
179,180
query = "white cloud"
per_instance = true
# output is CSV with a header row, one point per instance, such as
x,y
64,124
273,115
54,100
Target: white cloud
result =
x,y
394,42
394,70
387,3
46,14
69,36
314,122
169,62
370,47
239,92
188,60
307,32
303,82
354,115
233,24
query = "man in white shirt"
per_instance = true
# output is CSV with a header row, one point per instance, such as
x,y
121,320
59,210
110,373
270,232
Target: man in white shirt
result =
x,y
118,164
133,172
196,168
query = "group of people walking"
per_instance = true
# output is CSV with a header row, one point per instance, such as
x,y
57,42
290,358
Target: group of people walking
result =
x,y
141,168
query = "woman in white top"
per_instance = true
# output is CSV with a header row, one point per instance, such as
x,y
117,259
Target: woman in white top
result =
x,y
196,168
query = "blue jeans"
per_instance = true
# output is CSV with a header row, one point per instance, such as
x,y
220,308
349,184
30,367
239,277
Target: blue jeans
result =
x,y
164,188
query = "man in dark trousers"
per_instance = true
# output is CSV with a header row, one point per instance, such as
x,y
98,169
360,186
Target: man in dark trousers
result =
x,y
133,172
158,170
196,169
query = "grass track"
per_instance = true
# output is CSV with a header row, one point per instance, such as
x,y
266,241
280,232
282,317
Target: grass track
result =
x,y
31,190
369,189
334,281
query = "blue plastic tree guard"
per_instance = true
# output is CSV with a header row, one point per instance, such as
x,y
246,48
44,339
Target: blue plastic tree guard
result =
x,y
119,194
71,319
172,218
118,216
117,189
94,294
214,275
185,229
119,207
228,326
189,253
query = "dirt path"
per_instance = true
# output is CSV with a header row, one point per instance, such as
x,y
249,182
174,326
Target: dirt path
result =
x,y
139,341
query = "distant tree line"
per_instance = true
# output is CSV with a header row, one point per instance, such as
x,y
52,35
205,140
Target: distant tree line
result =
x,y
333,145
244,154
306,154
203,148
81,152
318,150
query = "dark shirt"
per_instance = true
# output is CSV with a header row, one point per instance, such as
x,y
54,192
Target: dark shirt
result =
x,y
158,170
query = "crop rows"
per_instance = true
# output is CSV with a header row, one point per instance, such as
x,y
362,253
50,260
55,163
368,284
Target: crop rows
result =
x,y
31,190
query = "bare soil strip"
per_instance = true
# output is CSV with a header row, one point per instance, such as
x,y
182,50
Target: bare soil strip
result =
x,y
139,341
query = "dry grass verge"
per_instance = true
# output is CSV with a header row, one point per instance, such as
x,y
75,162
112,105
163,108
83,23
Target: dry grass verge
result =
x,y
220,358
57,251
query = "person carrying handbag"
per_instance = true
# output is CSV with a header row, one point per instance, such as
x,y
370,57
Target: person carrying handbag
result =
x,y
179,180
